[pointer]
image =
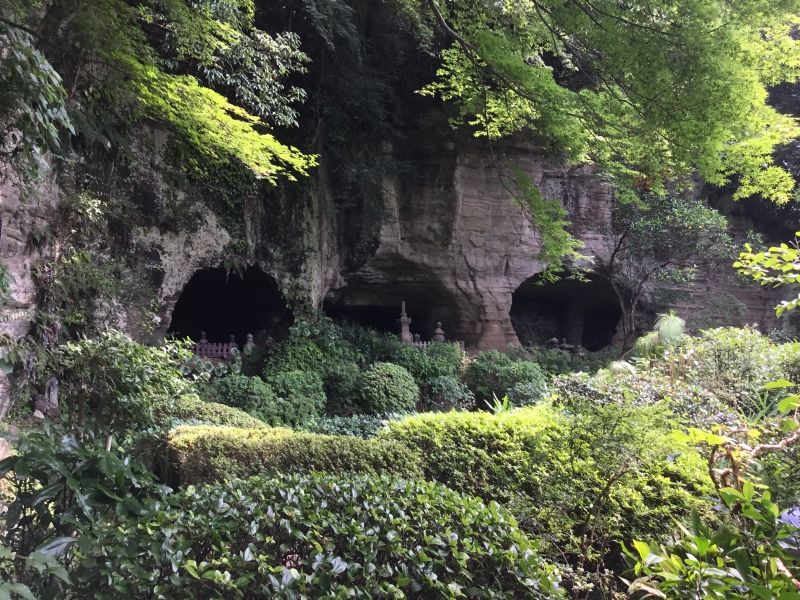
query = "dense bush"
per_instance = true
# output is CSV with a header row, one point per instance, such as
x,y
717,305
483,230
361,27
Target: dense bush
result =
x,y
342,388
301,397
388,388
439,359
691,403
198,454
313,344
241,391
584,480
192,409
364,426
446,392
482,375
558,362
524,383
295,353
495,374
115,384
732,362
314,537
373,346
61,485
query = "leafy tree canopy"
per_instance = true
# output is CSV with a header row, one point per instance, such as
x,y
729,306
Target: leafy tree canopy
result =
x,y
649,91
776,266
96,66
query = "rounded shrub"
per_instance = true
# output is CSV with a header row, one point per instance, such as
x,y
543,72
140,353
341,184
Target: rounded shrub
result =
x,y
524,382
314,536
447,393
295,353
482,375
341,388
241,391
300,398
387,388
191,409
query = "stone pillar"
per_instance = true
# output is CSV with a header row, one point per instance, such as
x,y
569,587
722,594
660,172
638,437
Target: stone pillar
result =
x,y
405,322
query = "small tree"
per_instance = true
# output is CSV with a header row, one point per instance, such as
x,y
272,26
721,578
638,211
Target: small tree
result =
x,y
664,238
777,266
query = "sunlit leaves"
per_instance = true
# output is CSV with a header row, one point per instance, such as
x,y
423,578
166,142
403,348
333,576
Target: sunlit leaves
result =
x,y
647,91
776,266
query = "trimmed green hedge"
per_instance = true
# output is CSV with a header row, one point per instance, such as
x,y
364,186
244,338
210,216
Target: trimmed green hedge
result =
x,y
313,537
191,408
610,474
199,454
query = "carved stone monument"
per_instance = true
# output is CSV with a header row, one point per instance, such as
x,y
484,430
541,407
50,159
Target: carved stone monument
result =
x,y
438,334
405,322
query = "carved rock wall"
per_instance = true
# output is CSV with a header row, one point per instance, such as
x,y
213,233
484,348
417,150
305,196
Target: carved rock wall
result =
x,y
455,245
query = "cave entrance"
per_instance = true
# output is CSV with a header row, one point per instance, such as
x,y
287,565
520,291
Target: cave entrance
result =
x,y
376,304
224,303
582,312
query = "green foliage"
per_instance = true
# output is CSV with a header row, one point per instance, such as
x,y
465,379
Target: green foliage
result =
x,y
650,94
754,560
300,397
317,537
314,344
692,404
558,362
558,245
583,480
495,374
482,375
241,391
33,108
388,388
62,486
524,382
363,426
776,266
446,392
150,53
733,362
112,383
191,409
660,238
439,359
342,388
199,454
373,345
217,130
667,331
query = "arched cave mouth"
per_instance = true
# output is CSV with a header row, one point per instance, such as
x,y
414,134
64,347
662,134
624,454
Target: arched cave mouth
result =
x,y
582,312
377,305
224,303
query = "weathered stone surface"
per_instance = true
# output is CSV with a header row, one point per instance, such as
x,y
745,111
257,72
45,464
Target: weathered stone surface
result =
x,y
456,244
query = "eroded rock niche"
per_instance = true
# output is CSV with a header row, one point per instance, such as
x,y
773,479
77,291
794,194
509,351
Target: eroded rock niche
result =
x,y
582,312
375,302
224,303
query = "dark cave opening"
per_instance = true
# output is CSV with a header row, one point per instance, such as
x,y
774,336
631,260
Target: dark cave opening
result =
x,y
582,312
224,303
377,305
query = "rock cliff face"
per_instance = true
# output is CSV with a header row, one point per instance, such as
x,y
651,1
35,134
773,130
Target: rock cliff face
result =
x,y
456,246
453,244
